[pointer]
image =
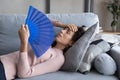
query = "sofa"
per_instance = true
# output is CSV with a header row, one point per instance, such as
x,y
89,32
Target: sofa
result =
x,y
9,42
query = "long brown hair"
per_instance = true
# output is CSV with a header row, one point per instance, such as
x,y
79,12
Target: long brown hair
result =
x,y
75,37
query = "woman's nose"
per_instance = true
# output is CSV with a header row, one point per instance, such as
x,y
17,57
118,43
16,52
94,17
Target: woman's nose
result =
x,y
63,31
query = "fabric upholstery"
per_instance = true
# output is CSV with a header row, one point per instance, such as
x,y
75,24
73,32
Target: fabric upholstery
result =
x,y
115,54
96,47
105,64
61,75
9,26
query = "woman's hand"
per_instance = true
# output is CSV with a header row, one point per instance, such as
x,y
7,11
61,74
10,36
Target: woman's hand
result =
x,y
72,27
24,34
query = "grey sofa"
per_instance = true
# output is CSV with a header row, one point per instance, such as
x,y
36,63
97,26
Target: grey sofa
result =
x,y
12,22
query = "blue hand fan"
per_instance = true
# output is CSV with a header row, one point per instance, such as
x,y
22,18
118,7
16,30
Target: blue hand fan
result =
x,y
41,31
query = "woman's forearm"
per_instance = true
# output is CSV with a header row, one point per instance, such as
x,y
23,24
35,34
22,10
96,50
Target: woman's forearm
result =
x,y
23,47
23,66
58,24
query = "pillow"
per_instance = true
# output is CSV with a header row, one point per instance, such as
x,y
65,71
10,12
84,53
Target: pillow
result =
x,y
93,50
115,54
9,26
105,64
75,54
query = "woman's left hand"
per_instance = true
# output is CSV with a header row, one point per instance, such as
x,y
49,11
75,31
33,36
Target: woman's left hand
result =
x,y
72,27
58,24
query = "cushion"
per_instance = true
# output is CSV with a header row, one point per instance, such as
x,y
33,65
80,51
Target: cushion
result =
x,y
115,54
105,64
75,54
93,50
9,25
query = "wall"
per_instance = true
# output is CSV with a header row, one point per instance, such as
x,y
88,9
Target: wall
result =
x,y
20,6
105,16
57,6
66,6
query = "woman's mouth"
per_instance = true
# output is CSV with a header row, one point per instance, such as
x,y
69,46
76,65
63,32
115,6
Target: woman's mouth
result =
x,y
60,35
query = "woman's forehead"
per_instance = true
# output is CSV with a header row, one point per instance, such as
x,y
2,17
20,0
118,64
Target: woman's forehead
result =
x,y
68,29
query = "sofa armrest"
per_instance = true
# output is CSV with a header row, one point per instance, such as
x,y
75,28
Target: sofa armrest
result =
x,y
115,54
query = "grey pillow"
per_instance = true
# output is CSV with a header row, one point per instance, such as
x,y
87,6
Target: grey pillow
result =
x,y
75,54
115,54
105,64
9,25
90,55
96,47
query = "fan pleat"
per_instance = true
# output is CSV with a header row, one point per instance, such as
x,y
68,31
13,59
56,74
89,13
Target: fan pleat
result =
x,y
29,13
32,30
41,37
44,26
37,17
37,49
34,15
32,11
39,20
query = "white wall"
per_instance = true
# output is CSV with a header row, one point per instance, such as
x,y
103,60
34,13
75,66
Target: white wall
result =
x,y
57,6
20,6
66,6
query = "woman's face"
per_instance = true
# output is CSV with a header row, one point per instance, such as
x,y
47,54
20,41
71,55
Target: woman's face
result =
x,y
65,36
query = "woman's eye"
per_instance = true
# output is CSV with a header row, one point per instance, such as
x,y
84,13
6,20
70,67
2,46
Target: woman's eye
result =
x,y
68,32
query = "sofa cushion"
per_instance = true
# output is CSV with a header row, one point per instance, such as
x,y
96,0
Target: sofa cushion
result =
x,y
61,75
105,64
115,54
96,47
75,54
9,25
89,57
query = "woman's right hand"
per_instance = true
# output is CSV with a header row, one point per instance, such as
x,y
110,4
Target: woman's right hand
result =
x,y
24,34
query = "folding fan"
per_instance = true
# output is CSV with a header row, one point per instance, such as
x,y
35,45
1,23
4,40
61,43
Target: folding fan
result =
x,y
41,31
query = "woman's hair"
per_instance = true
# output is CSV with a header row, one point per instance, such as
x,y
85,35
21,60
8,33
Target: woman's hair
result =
x,y
75,37
78,34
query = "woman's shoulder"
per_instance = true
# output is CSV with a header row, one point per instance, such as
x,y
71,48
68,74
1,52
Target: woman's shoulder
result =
x,y
56,50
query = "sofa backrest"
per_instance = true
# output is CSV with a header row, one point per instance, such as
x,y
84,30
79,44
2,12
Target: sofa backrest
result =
x,y
86,19
10,24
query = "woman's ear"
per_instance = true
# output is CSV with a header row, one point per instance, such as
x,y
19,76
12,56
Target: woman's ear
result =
x,y
71,43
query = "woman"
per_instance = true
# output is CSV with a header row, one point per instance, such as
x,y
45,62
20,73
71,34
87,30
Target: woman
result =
x,y
24,64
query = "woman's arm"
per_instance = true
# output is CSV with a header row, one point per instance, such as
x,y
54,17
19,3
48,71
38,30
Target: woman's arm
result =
x,y
43,68
24,35
23,65
72,27
58,24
